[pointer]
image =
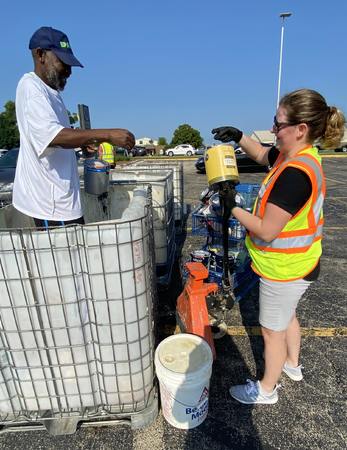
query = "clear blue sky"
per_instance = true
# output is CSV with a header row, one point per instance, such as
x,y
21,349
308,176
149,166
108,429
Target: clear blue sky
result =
x,y
152,65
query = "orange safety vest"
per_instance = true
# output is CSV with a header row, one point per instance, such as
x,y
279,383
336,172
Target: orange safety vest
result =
x,y
296,250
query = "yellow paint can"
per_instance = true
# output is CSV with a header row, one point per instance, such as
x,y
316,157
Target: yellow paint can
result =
x,y
220,164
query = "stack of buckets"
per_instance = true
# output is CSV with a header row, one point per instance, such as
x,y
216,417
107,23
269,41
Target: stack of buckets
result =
x,y
184,367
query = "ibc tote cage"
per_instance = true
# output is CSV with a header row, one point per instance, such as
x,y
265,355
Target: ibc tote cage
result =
x,y
177,184
77,325
161,182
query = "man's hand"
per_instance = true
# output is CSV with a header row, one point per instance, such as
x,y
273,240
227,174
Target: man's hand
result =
x,y
89,150
121,138
227,134
72,138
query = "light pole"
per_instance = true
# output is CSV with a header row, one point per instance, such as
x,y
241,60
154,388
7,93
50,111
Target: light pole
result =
x,y
283,15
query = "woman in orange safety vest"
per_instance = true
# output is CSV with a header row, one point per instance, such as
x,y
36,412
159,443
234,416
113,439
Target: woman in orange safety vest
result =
x,y
285,229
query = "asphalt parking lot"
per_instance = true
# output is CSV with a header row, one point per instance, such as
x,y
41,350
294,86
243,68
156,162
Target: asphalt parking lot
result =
x,y
310,414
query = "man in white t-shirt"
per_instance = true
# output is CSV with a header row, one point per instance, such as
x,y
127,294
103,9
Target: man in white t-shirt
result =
x,y
46,185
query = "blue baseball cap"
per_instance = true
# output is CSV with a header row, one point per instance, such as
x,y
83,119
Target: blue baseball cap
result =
x,y
50,39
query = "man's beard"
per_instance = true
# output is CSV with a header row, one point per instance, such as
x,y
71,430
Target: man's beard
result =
x,y
54,79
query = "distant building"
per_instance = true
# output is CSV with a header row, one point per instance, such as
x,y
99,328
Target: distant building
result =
x,y
263,136
145,141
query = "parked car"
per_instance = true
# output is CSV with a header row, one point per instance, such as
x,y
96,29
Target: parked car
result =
x,y
202,149
238,150
200,165
137,151
8,164
183,149
132,152
242,160
121,151
343,148
319,146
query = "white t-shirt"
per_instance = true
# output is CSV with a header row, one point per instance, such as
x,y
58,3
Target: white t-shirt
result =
x,y
46,184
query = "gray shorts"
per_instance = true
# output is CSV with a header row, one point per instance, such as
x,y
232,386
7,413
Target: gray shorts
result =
x,y
278,301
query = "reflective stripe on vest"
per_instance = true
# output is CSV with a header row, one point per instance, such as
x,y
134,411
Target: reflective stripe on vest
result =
x,y
289,245
306,227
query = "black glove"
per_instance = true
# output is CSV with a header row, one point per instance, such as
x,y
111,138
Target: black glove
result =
x,y
227,199
227,134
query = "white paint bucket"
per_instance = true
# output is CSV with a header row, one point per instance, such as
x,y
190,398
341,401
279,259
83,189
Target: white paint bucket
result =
x,y
184,366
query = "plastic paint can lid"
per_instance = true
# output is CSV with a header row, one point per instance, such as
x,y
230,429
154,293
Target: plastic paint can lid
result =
x,y
185,353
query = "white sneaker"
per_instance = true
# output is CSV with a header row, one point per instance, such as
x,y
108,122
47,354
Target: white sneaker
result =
x,y
293,372
252,393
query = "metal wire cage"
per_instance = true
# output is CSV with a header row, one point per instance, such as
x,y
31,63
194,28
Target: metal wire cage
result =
x,y
161,182
77,321
177,167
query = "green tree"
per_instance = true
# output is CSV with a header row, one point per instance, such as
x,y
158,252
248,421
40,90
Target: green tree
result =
x,y
162,141
73,117
185,134
9,134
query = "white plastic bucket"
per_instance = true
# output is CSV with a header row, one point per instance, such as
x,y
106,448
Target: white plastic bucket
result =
x,y
184,366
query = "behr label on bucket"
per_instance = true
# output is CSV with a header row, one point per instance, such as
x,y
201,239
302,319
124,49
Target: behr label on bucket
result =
x,y
198,412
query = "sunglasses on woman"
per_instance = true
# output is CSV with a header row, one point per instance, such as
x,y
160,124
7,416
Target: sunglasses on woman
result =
x,y
279,125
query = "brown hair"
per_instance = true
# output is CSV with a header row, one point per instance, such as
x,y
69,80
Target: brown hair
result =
x,y
326,124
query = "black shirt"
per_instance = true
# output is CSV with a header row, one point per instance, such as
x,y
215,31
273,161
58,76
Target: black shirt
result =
x,y
292,189
290,192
